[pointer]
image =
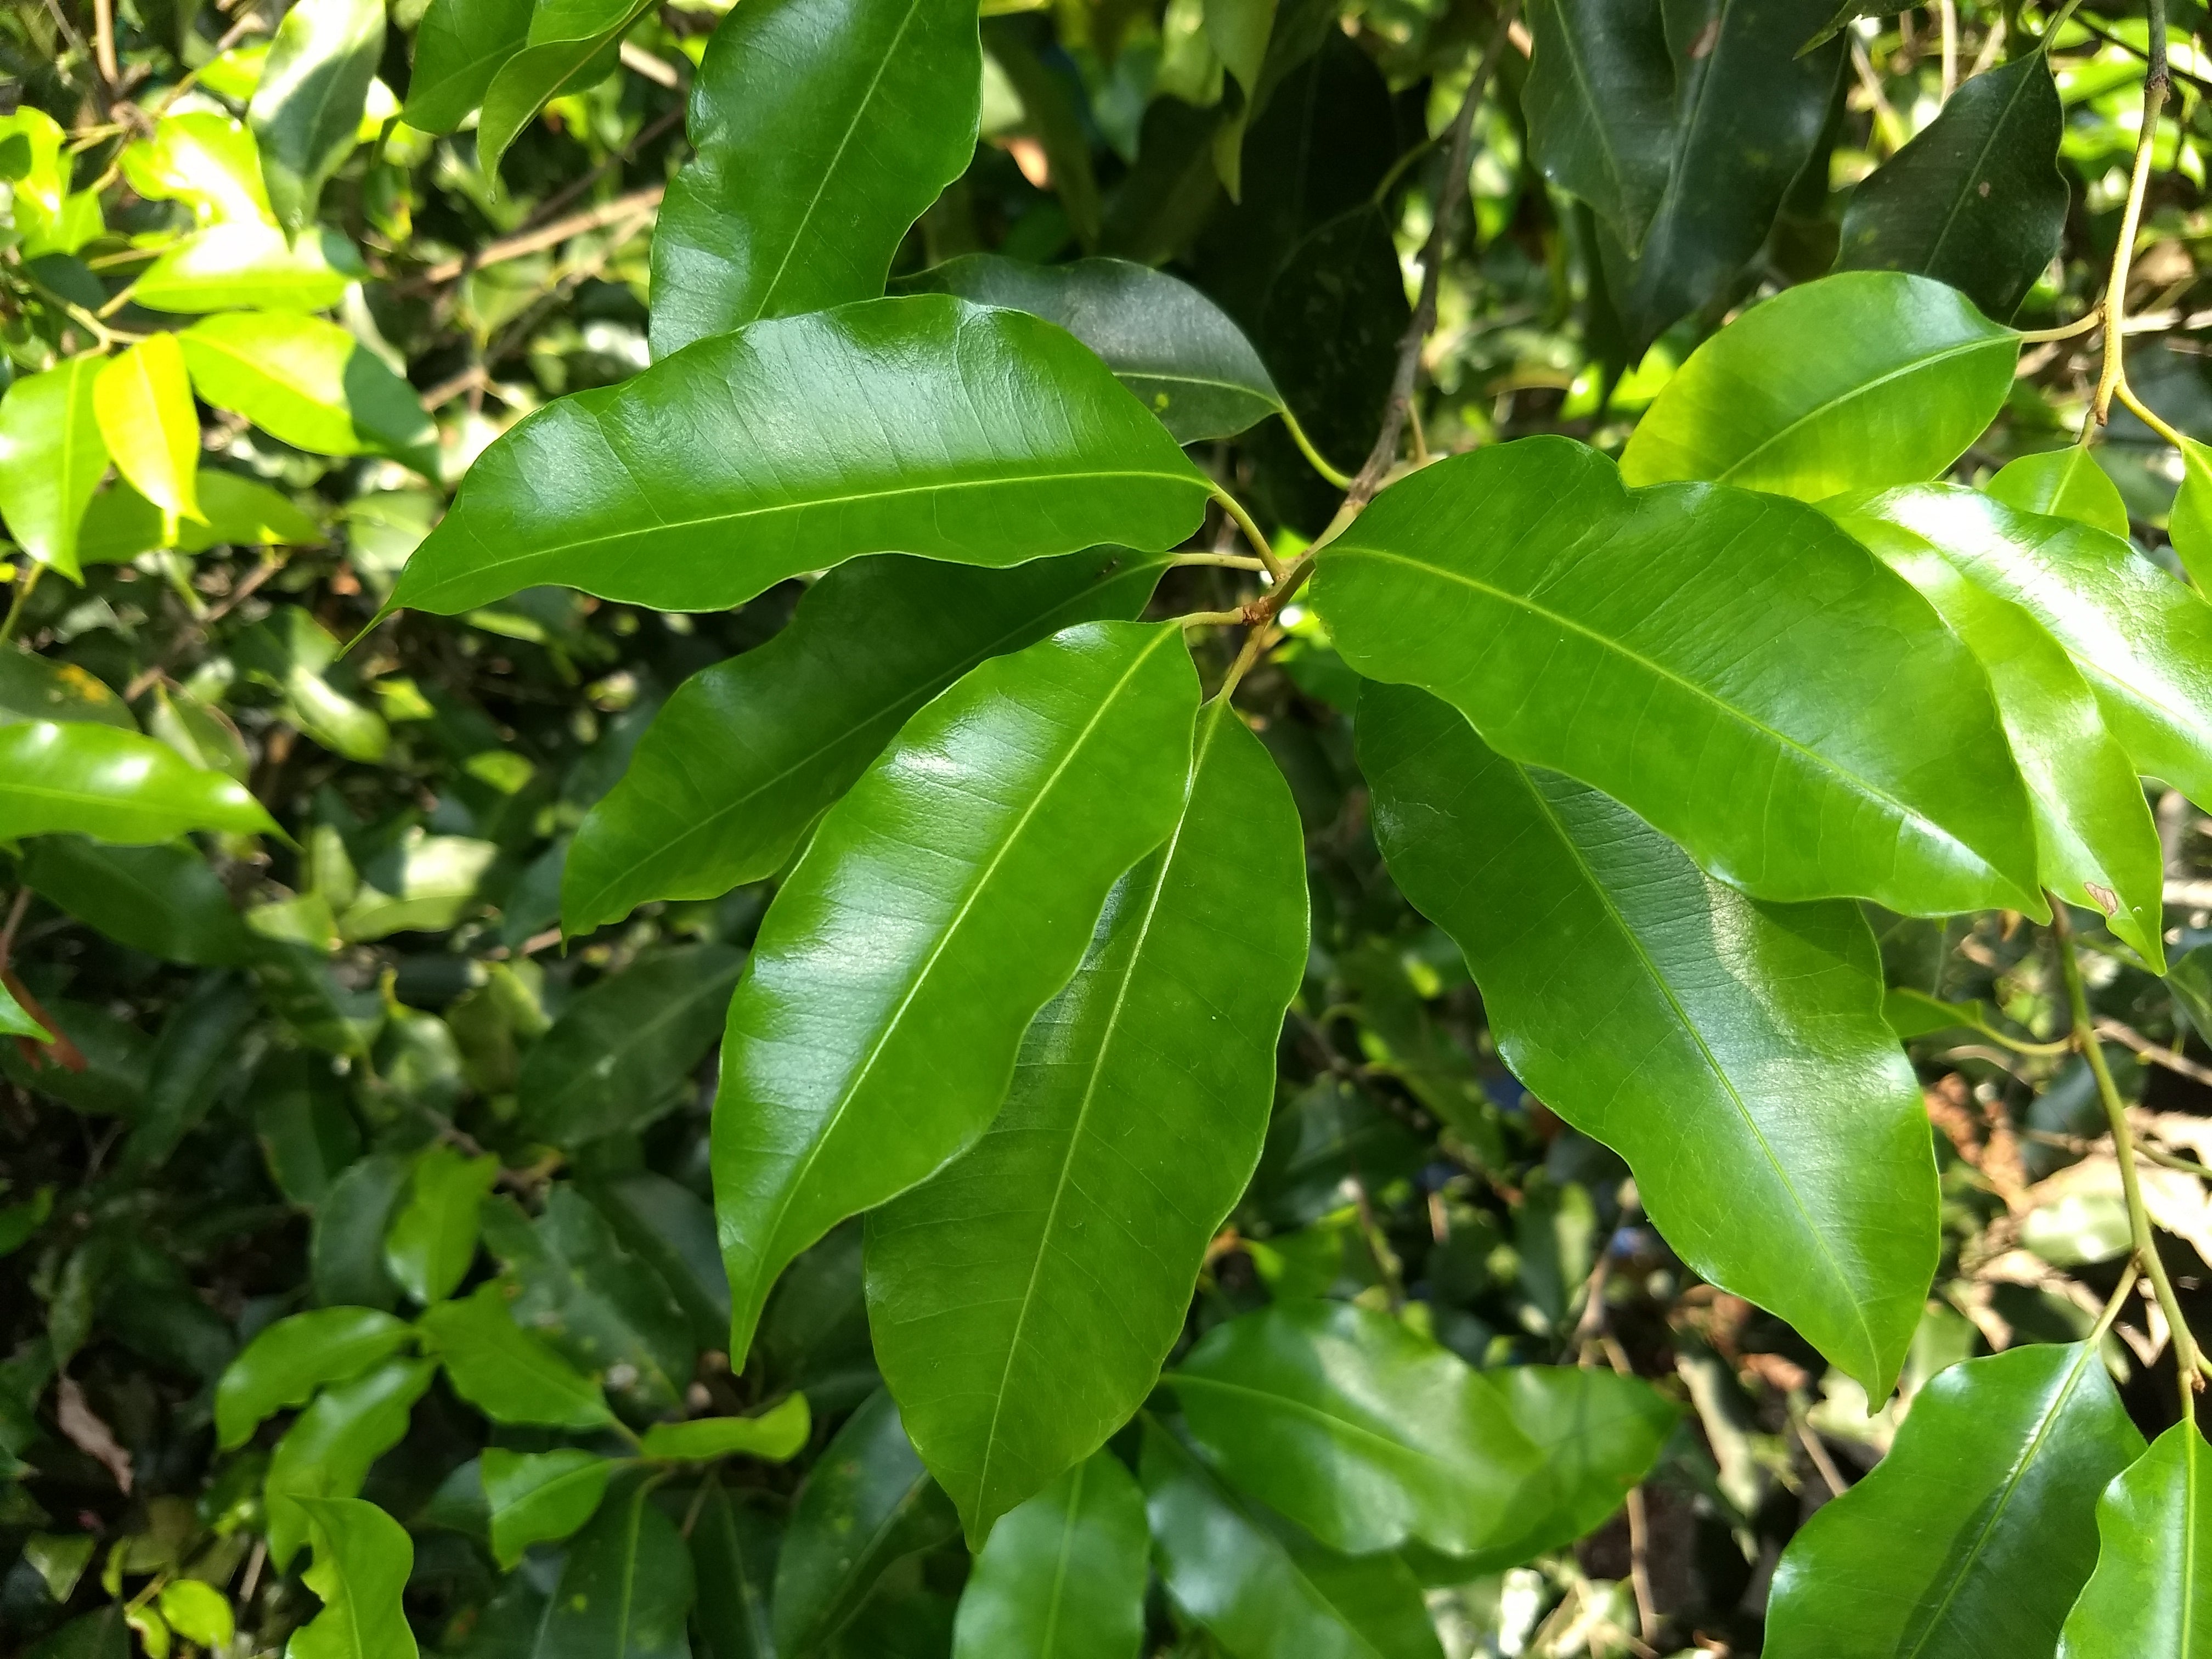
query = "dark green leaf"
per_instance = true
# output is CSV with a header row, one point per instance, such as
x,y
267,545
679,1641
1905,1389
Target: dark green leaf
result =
x,y
432,1237
2066,483
625,1588
733,1551
664,1223
537,1497
571,45
51,457
1055,108
42,689
327,1450
1063,1575
504,1371
776,1435
2151,1590
346,1251
458,46
1600,104
362,1557
284,1364
307,110
163,900
114,786
195,1059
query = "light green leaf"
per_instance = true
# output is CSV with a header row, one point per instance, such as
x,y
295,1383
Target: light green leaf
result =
x,y
51,457
1976,1530
434,1236
2151,1590
1686,649
1369,1436
821,130
204,159
425,883
538,1497
362,1558
288,1361
1063,1575
571,45
249,265
327,1450
1858,381
310,383
2189,527
143,401
1600,106
1022,1299
307,110
34,687
50,217
942,903
162,900
15,1020
198,1612
504,1371
776,1435
458,46
625,1586
292,653
981,437
114,786
2066,483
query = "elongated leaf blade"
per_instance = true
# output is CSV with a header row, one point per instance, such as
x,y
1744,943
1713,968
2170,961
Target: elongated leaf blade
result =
x,y
1063,1575
1686,650
362,1557
327,1450
165,900
568,47
776,1435
310,383
981,437
625,1587
2189,526
2065,483
51,457
459,46
505,1372
114,786
434,1236
305,113
733,1552
143,400
1601,107
537,1497
942,902
288,1361
2151,1590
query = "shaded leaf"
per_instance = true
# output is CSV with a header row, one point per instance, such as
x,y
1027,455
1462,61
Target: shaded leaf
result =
x,y
163,900
504,1371
625,1586
2152,1589
327,1450
33,687
2189,525
345,1253
776,1435
1600,106
433,1236
1063,1575
733,1553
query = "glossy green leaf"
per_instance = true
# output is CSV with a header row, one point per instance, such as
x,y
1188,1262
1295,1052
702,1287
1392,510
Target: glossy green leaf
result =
x,y
458,46
114,786
625,1586
433,1236
2151,1590
1686,649
1022,1299
2189,527
2065,483
288,1361
942,902
362,1558
1063,1575
981,437
733,1550
503,1370
1974,1534
1976,200
327,1450
51,217
865,1503
1601,107
615,1057
310,383
143,402
204,159
1858,381
2141,639
2095,842
1180,354
1368,1435
776,1435
51,457
425,883
15,1020
1263,1589
537,1497
1743,1068
305,113
165,901
249,264
821,130
571,45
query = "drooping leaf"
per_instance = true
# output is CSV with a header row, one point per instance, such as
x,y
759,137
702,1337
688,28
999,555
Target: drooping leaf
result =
x,y
310,383
1022,1299
362,1557
1063,1575
327,1450
1684,649
570,45
2189,527
433,1236
51,456
1976,200
458,46
776,1435
194,1058
747,753
1976,1530
50,217
504,1371
733,1552
288,1361
114,786
2065,483
981,437
1600,104
2152,1589
618,1052
143,401
1720,1012
942,903
867,1503
305,113
1859,381
625,1585
165,900
821,130
1265,1590
537,1497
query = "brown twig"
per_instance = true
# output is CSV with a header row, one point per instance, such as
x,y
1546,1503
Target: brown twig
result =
x,y
270,565
568,193
634,205
2128,1038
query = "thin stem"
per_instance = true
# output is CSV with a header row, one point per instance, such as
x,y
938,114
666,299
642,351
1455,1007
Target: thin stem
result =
x,y
2143,412
1231,561
1235,509
1255,642
1314,459
2117,1301
1947,11
2127,1038
2065,330
15,606
1214,619
2111,375
103,42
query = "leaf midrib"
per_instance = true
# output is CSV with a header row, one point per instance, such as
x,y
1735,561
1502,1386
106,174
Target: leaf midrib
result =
x,y
1861,389
1398,1450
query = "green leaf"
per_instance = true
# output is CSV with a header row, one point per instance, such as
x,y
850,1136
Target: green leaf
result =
x,y
2141,639
310,383
942,902
1022,1299
288,1361
143,402
2065,483
1686,649
504,1371
114,786
1063,1575
308,1134
425,883
733,1551
247,264
345,1253
362,1558
121,524
50,217
1180,354
625,1586
821,130
1858,381
327,1450
776,1435
51,457
537,1497
15,1021
305,113
571,45
1263,1589
1601,107
204,159
33,687
979,437
2096,844
458,46
198,1612
867,1503
664,1223
616,1057
434,1236
1976,1530
2151,1590
1819,1204
1369,1436
162,900
1976,200
2189,527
